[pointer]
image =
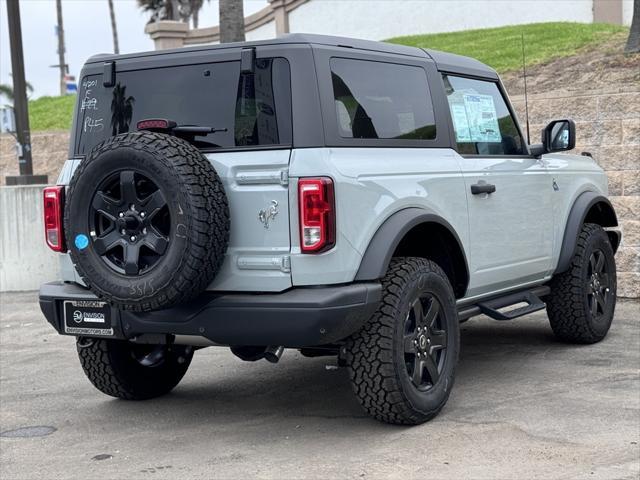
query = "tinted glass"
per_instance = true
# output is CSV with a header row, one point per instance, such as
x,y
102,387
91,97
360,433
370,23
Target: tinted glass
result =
x,y
481,119
381,100
212,95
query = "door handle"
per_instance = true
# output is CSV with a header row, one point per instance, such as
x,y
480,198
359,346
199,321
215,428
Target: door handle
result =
x,y
479,188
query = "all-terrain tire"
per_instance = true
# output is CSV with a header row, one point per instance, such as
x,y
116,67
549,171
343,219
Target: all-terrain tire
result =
x,y
133,372
570,303
194,210
376,355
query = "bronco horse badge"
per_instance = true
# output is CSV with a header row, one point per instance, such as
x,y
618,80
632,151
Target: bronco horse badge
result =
x,y
268,214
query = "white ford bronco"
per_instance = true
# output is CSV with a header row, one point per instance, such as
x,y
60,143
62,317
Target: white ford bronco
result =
x,y
336,196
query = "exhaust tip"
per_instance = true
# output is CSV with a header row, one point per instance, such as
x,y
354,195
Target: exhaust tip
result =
x,y
273,353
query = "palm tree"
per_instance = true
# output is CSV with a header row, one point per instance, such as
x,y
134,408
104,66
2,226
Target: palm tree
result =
x,y
231,21
7,91
162,9
633,42
114,29
194,10
182,10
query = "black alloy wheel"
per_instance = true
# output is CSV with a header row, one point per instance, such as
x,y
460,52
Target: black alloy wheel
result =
x,y
425,342
130,222
598,285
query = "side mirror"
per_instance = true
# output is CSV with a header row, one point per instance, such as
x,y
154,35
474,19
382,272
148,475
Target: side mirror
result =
x,y
558,136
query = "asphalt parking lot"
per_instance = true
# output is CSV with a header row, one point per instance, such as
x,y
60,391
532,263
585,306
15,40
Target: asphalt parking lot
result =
x,y
524,406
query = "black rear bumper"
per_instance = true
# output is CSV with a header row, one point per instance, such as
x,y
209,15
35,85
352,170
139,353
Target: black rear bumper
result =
x,y
296,318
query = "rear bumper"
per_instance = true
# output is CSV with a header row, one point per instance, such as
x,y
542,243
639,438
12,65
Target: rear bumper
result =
x,y
296,318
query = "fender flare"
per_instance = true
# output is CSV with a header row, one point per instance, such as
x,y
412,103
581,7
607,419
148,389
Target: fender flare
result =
x,y
576,219
377,257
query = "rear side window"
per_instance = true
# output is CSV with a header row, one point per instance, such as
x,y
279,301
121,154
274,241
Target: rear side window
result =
x,y
382,100
255,109
481,119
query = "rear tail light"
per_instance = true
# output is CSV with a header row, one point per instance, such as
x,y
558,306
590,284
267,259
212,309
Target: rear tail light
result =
x,y
317,214
53,208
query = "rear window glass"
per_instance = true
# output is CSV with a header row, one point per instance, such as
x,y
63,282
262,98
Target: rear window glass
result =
x,y
255,109
382,100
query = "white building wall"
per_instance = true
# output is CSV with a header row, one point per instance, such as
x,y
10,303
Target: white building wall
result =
x,y
627,12
382,19
263,32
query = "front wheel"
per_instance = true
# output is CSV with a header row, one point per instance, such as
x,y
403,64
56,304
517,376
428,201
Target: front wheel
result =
x,y
582,299
402,362
133,371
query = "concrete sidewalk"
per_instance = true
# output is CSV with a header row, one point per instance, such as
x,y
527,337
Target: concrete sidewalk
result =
x,y
524,406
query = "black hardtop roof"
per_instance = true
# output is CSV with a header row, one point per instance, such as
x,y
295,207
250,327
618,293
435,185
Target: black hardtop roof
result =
x,y
445,61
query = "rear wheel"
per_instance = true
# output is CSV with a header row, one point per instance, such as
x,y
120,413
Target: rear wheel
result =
x,y
583,299
131,371
402,362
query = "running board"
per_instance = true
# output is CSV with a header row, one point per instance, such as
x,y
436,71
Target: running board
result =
x,y
492,307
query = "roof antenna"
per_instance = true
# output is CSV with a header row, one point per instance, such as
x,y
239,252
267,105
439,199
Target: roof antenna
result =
x,y
524,76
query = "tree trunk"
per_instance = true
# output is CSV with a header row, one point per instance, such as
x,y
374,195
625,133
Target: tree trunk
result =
x,y
194,17
114,29
231,21
173,10
633,43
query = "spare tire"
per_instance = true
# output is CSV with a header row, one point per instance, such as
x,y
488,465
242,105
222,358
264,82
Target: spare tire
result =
x,y
146,220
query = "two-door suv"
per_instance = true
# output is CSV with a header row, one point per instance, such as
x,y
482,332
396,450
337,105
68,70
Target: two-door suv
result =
x,y
336,196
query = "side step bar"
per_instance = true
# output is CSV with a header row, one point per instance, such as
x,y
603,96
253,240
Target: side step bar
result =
x,y
492,307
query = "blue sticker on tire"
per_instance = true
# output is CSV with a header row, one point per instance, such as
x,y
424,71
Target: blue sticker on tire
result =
x,y
82,241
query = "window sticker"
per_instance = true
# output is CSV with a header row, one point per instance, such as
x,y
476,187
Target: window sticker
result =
x,y
482,118
460,123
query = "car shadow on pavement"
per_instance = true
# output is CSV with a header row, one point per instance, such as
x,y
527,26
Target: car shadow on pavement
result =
x,y
222,389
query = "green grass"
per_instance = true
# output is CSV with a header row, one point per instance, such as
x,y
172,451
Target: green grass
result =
x,y
501,47
51,113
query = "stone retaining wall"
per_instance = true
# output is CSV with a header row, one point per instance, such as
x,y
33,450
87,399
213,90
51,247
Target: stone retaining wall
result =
x,y
49,151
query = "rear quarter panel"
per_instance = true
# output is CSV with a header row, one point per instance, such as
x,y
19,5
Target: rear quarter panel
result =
x,y
370,185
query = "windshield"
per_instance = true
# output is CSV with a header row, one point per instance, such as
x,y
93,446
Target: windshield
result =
x,y
249,109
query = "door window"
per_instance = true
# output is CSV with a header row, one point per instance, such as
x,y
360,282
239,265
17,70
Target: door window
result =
x,y
381,100
481,119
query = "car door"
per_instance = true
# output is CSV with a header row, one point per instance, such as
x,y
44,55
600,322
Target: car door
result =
x,y
509,192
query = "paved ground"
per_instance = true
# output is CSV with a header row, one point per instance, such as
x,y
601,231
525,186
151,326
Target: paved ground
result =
x,y
524,406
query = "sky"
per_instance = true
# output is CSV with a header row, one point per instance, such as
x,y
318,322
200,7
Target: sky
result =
x,y
87,30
